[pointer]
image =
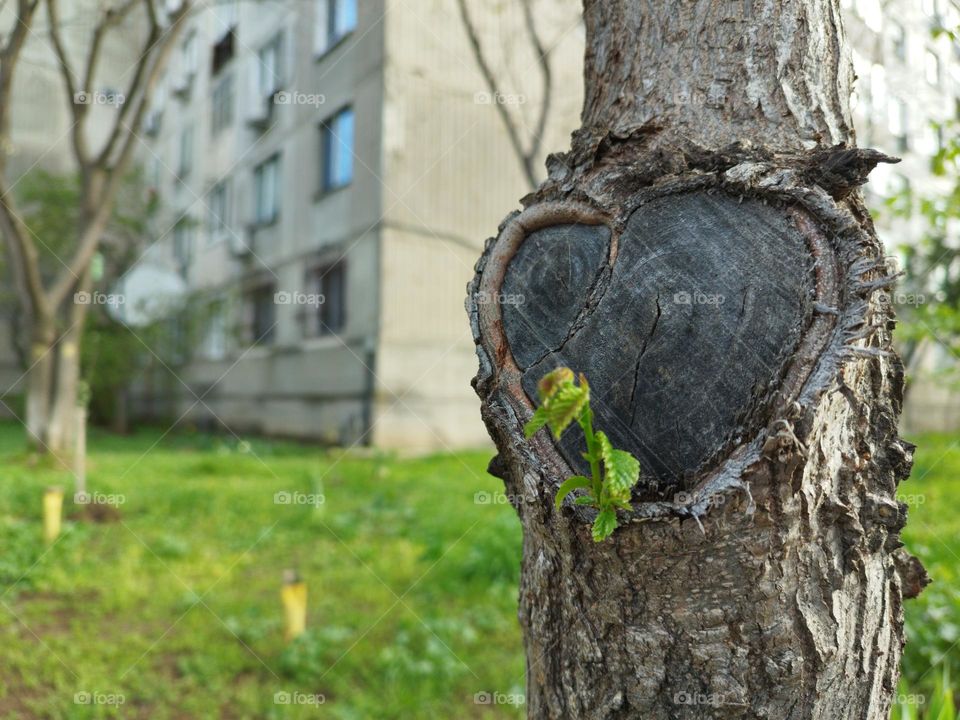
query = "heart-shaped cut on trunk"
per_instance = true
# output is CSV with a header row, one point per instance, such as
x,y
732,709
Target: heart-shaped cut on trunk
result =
x,y
684,324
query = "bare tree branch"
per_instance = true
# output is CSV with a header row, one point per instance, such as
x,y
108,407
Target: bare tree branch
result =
x,y
24,263
135,85
23,254
513,132
78,111
112,173
546,72
113,16
9,56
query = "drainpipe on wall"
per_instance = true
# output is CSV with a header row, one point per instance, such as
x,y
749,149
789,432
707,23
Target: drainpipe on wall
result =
x,y
369,390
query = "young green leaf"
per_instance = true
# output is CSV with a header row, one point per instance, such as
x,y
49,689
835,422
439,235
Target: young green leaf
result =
x,y
562,402
571,484
538,420
552,381
565,406
622,468
604,525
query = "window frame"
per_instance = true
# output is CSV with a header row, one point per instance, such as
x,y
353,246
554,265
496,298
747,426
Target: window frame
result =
x,y
331,140
327,34
265,293
273,162
268,87
183,243
185,152
218,223
222,103
317,321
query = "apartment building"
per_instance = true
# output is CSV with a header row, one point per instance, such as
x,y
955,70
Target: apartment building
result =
x,y
908,85
328,172
350,151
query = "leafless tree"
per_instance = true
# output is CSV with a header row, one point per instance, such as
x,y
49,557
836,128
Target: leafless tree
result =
x,y
53,319
527,151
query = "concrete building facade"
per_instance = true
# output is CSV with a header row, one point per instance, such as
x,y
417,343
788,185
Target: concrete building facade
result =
x,y
908,86
351,150
329,171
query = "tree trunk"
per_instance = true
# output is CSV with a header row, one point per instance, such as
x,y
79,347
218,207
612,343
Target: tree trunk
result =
x,y
51,399
54,381
63,410
39,390
703,256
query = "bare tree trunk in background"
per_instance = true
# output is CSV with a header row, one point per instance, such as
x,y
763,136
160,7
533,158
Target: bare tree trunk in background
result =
x,y
54,318
703,255
527,153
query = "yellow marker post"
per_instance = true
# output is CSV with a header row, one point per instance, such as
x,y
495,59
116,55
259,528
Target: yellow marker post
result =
x,y
52,513
294,595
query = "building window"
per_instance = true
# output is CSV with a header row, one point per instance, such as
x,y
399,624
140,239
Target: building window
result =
x,y
222,103
186,152
334,21
261,314
270,64
188,56
878,93
336,148
898,36
223,51
898,123
266,188
931,67
215,335
218,204
183,244
327,283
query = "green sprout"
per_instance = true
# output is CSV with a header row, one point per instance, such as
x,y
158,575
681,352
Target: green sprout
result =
x,y
563,401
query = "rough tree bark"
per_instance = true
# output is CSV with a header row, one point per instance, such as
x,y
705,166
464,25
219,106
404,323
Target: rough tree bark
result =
x,y
703,255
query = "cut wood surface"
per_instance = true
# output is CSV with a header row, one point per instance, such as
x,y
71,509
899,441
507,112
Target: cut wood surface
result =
x,y
702,311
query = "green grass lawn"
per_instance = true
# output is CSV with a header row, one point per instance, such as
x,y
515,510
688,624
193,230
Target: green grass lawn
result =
x,y
932,656
412,585
412,581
